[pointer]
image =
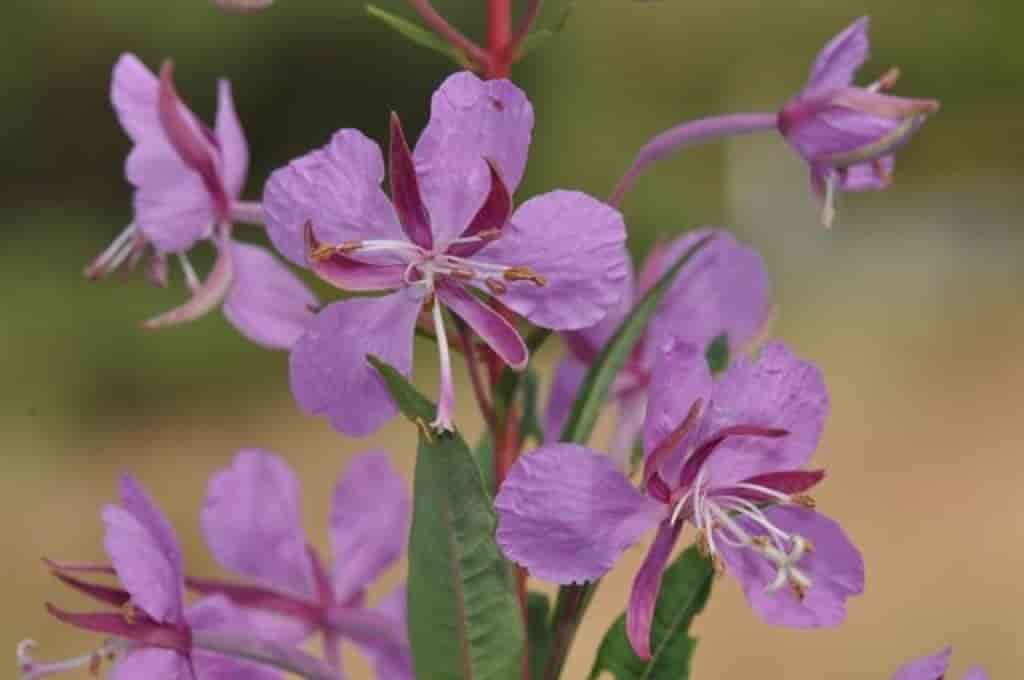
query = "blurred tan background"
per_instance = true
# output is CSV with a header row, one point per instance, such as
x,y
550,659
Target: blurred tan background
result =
x,y
912,305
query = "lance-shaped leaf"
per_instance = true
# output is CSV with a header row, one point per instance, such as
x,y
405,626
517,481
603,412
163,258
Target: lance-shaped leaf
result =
x,y
594,392
417,34
685,588
464,621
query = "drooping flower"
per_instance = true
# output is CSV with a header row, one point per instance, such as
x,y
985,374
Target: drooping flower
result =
x,y
848,135
934,668
153,629
253,526
187,179
447,236
721,296
726,457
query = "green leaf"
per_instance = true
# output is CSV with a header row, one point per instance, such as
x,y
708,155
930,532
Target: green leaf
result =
x,y
529,424
484,454
685,588
541,35
717,354
594,392
538,614
417,34
464,620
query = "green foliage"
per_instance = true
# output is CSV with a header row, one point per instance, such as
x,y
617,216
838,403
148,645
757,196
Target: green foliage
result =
x,y
464,621
538,614
717,354
685,588
417,34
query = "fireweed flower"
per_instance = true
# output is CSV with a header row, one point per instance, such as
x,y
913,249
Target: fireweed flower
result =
x,y
723,293
724,456
848,134
934,668
153,629
252,521
187,180
447,233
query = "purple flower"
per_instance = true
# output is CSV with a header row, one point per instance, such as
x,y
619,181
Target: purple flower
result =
x,y
723,291
253,526
726,457
847,134
151,623
934,668
446,236
187,180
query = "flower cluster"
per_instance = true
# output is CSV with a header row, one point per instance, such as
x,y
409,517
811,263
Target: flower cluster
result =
x,y
727,420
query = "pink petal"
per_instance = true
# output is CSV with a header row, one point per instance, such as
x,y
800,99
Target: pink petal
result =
x,y
370,513
492,216
145,553
835,568
644,595
329,372
499,334
252,521
267,302
338,188
724,289
679,379
218,614
470,120
405,190
839,60
151,663
779,391
347,273
234,150
577,245
206,297
566,513
926,668
391,658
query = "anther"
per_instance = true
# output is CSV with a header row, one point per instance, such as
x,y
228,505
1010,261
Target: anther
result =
x,y
804,501
799,590
130,613
488,234
461,272
703,547
322,252
349,247
524,274
496,287
888,79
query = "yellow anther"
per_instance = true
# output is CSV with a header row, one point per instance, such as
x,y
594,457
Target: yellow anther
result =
x,y
349,247
488,234
322,252
888,79
130,613
761,541
463,273
805,501
524,274
799,590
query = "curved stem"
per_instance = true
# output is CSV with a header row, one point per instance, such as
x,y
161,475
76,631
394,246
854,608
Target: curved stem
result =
x,y
444,29
687,135
499,33
532,12
473,367
265,652
570,605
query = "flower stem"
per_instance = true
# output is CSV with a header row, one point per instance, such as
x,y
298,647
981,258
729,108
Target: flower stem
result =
x,y
532,11
265,652
686,135
473,367
499,38
455,37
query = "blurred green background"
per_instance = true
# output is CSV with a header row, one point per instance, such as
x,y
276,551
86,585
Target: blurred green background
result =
x,y
912,304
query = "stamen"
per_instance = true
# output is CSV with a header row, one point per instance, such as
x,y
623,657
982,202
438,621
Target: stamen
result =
x,y
524,274
804,501
113,255
828,210
881,172
30,669
887,81
446,399
191,279
461,272
495,286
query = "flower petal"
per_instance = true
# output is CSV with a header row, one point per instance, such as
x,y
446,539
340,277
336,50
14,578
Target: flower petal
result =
x,y
873,176
252,521
839,60
405,190
145,553
566,513
206,296
151,663
499,334
218,614
329,372
926,668
835,568
576,244
776,391
391,659
338,269
680,378
234,150
568,378
491,218
369,522
470,120
976,673
644,595
723,290
338,188
267,302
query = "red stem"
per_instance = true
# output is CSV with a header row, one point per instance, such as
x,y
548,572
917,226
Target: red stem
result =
x,y
451,34
532,11
499,38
